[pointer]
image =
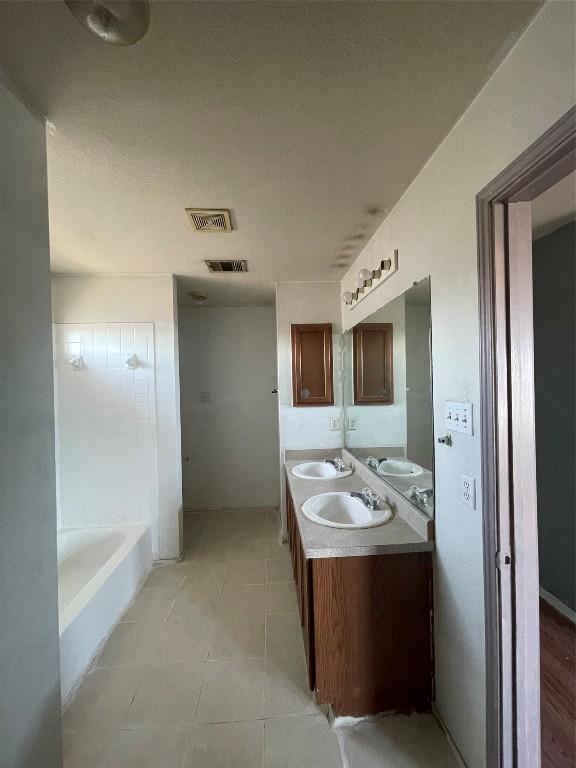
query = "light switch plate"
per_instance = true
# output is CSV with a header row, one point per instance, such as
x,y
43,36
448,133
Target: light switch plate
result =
x,y
335,424
458,417
469,491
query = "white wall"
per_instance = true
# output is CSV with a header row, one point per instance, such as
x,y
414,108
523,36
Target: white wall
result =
x,y
434,228
30,730
134,299
306,427
229,444
106,441
380,425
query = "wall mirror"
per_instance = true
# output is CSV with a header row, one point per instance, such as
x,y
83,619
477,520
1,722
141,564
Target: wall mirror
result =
x,y
387,383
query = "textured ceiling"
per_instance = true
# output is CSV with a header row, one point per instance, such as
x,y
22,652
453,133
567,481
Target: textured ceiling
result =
x,y
296,115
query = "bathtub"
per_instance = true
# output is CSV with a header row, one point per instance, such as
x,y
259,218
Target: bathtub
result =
x,y
99,572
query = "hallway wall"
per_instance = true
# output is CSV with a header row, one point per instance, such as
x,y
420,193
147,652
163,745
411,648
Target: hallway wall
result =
x,y
554,279
229,414
433,227
30,729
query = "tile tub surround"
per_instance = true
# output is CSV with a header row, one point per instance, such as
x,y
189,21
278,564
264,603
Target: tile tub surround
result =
x,y
206,668
394,537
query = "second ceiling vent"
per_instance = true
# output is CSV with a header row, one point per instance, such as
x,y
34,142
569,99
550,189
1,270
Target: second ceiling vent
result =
x,y
210,219
227,265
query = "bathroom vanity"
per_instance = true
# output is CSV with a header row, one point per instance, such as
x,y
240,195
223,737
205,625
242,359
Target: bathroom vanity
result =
x,y
365,600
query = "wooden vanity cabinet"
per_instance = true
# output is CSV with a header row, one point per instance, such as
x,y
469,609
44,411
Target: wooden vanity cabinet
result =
x,y
367,627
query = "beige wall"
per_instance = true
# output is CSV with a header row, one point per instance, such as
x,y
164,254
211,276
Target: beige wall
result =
x,y
434,228
306,427
230,353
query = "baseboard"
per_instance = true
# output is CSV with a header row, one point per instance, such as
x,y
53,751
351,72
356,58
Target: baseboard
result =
x,y
567,612
202,510
449,738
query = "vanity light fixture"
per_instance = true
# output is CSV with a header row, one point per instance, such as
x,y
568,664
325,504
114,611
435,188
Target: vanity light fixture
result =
x,y
366,278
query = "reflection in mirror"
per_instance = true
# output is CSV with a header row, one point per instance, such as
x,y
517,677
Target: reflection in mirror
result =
x,y
388,394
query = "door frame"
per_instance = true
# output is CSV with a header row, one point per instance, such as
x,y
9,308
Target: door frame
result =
x,y
507,444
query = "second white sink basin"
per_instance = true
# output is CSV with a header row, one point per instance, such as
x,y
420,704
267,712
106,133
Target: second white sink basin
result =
x,y
319,470
399,468
340,510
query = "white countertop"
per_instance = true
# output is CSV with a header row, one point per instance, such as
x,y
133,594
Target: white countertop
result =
x,y
393,537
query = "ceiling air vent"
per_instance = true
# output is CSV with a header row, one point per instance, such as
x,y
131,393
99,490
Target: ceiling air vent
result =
x,y
228,265
210,219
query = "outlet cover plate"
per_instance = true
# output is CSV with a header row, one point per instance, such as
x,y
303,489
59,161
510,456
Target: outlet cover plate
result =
x,y
468,491
458,417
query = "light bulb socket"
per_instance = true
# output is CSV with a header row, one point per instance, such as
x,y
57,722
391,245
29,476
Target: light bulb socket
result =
x,y
386,265
347,297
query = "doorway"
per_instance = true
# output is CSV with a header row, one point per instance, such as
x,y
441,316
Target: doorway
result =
x,y
511,434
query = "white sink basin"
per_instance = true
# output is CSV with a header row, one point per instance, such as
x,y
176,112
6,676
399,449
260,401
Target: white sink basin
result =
x,y
318,470
340,510
399,468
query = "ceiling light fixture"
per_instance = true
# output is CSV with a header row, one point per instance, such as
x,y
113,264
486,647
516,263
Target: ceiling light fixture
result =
x,y
117,22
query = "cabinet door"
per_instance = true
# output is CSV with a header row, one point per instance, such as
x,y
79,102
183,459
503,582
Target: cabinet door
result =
x,y
312,365
372,623
373,374
303,577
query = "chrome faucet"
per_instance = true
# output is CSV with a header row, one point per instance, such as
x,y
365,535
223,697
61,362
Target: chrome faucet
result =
x,y
374,463
422,496
337,463
368,497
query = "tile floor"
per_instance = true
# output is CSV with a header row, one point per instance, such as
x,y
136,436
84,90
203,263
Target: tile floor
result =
x,y
206,669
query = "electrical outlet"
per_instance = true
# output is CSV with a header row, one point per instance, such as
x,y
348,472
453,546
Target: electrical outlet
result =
x,y
351,423
335,424
458,417
469,491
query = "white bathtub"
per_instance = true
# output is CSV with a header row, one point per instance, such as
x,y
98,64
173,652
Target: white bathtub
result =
x,y
99,572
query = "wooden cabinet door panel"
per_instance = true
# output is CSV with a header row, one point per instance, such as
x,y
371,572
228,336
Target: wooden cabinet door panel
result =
x,y
312,365
373,642
302,568
373,367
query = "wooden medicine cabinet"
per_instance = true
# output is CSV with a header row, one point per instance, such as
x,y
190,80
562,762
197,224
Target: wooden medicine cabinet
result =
x,y
373,374
312,364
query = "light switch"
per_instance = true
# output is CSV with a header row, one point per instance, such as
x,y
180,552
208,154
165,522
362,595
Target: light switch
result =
x,y
335,424
458,417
